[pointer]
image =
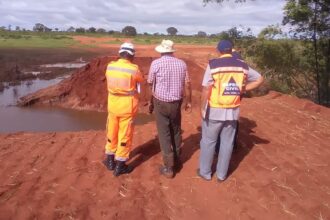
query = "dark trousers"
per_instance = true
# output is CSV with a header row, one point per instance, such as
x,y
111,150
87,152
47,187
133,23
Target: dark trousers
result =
x,y
168,120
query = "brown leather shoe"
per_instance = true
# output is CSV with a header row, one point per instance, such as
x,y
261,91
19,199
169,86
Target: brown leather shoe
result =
x,y
167,172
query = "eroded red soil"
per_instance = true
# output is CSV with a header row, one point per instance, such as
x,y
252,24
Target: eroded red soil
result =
x,y
279,171
86,89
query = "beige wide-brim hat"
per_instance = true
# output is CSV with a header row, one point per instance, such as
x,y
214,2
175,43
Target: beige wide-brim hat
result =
x,y
165,47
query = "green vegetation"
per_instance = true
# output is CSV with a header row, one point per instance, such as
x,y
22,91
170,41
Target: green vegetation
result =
x,y
310,22
283,63
32,39
310,19
178,39
29,39
299,65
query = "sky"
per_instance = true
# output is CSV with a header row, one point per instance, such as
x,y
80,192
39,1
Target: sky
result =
x,y
188,16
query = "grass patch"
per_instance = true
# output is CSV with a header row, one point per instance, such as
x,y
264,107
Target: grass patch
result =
x,y
27,41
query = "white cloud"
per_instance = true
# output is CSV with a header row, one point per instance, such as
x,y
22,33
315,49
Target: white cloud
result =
x,y
147,16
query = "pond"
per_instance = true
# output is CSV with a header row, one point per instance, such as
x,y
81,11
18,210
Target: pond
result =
x,y
45,119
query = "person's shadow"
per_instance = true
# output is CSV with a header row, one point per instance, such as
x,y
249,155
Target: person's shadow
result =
x,y
190,146
144,152
246,140
149,149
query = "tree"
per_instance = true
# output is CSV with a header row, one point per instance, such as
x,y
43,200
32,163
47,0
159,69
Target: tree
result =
x,y
223,35
201,34
213,36
80,30
311,20
246,32
71,29
283,64
129,31
101,30
234,33
92,30
270,32
38,27
17,28
172,31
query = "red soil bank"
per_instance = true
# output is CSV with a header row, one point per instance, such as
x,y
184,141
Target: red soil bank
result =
x,y
279,171
86,89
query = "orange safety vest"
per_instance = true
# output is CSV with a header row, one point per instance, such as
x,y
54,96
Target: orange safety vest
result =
x,y
229,75
122,79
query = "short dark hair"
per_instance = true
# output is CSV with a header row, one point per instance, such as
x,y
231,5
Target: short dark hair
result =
x,y
167,53
126,55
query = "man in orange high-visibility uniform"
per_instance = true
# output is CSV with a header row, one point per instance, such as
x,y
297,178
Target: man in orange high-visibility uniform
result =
x,y
123,78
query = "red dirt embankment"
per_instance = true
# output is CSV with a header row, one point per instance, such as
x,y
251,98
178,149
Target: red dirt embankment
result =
x,y
279,171
86,89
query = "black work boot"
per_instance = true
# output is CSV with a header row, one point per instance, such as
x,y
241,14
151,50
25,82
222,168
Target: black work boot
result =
x,y
166,171
121,168
109,162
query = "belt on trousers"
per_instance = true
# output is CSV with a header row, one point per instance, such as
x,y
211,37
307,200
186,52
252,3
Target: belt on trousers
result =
x,y
176,101
123,94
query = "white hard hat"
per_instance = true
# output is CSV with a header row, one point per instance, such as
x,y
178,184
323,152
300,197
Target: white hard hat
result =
x,y
127,47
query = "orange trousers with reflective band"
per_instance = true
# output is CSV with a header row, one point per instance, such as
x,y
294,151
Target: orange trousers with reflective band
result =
x,y
120,136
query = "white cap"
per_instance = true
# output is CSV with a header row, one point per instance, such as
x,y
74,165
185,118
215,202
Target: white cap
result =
x,y
165,47
127,47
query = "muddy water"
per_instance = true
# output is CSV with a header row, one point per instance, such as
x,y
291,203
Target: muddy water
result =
x,y
11,95
36,119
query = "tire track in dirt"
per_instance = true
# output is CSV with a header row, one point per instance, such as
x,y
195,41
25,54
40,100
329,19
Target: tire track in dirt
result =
x,y
35,186
13,148
68,185
84,183
141,188
297,148
279,171
20,168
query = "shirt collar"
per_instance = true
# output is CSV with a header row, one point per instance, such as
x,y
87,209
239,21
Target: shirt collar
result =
x,y
124,60
226,55
167,55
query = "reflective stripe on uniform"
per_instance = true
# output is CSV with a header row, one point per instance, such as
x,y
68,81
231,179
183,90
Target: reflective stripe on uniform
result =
x,y
122,83
228,69
129,93
121,69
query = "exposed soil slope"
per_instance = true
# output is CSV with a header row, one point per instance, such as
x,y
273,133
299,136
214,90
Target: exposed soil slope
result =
x,y
86,89
279,171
